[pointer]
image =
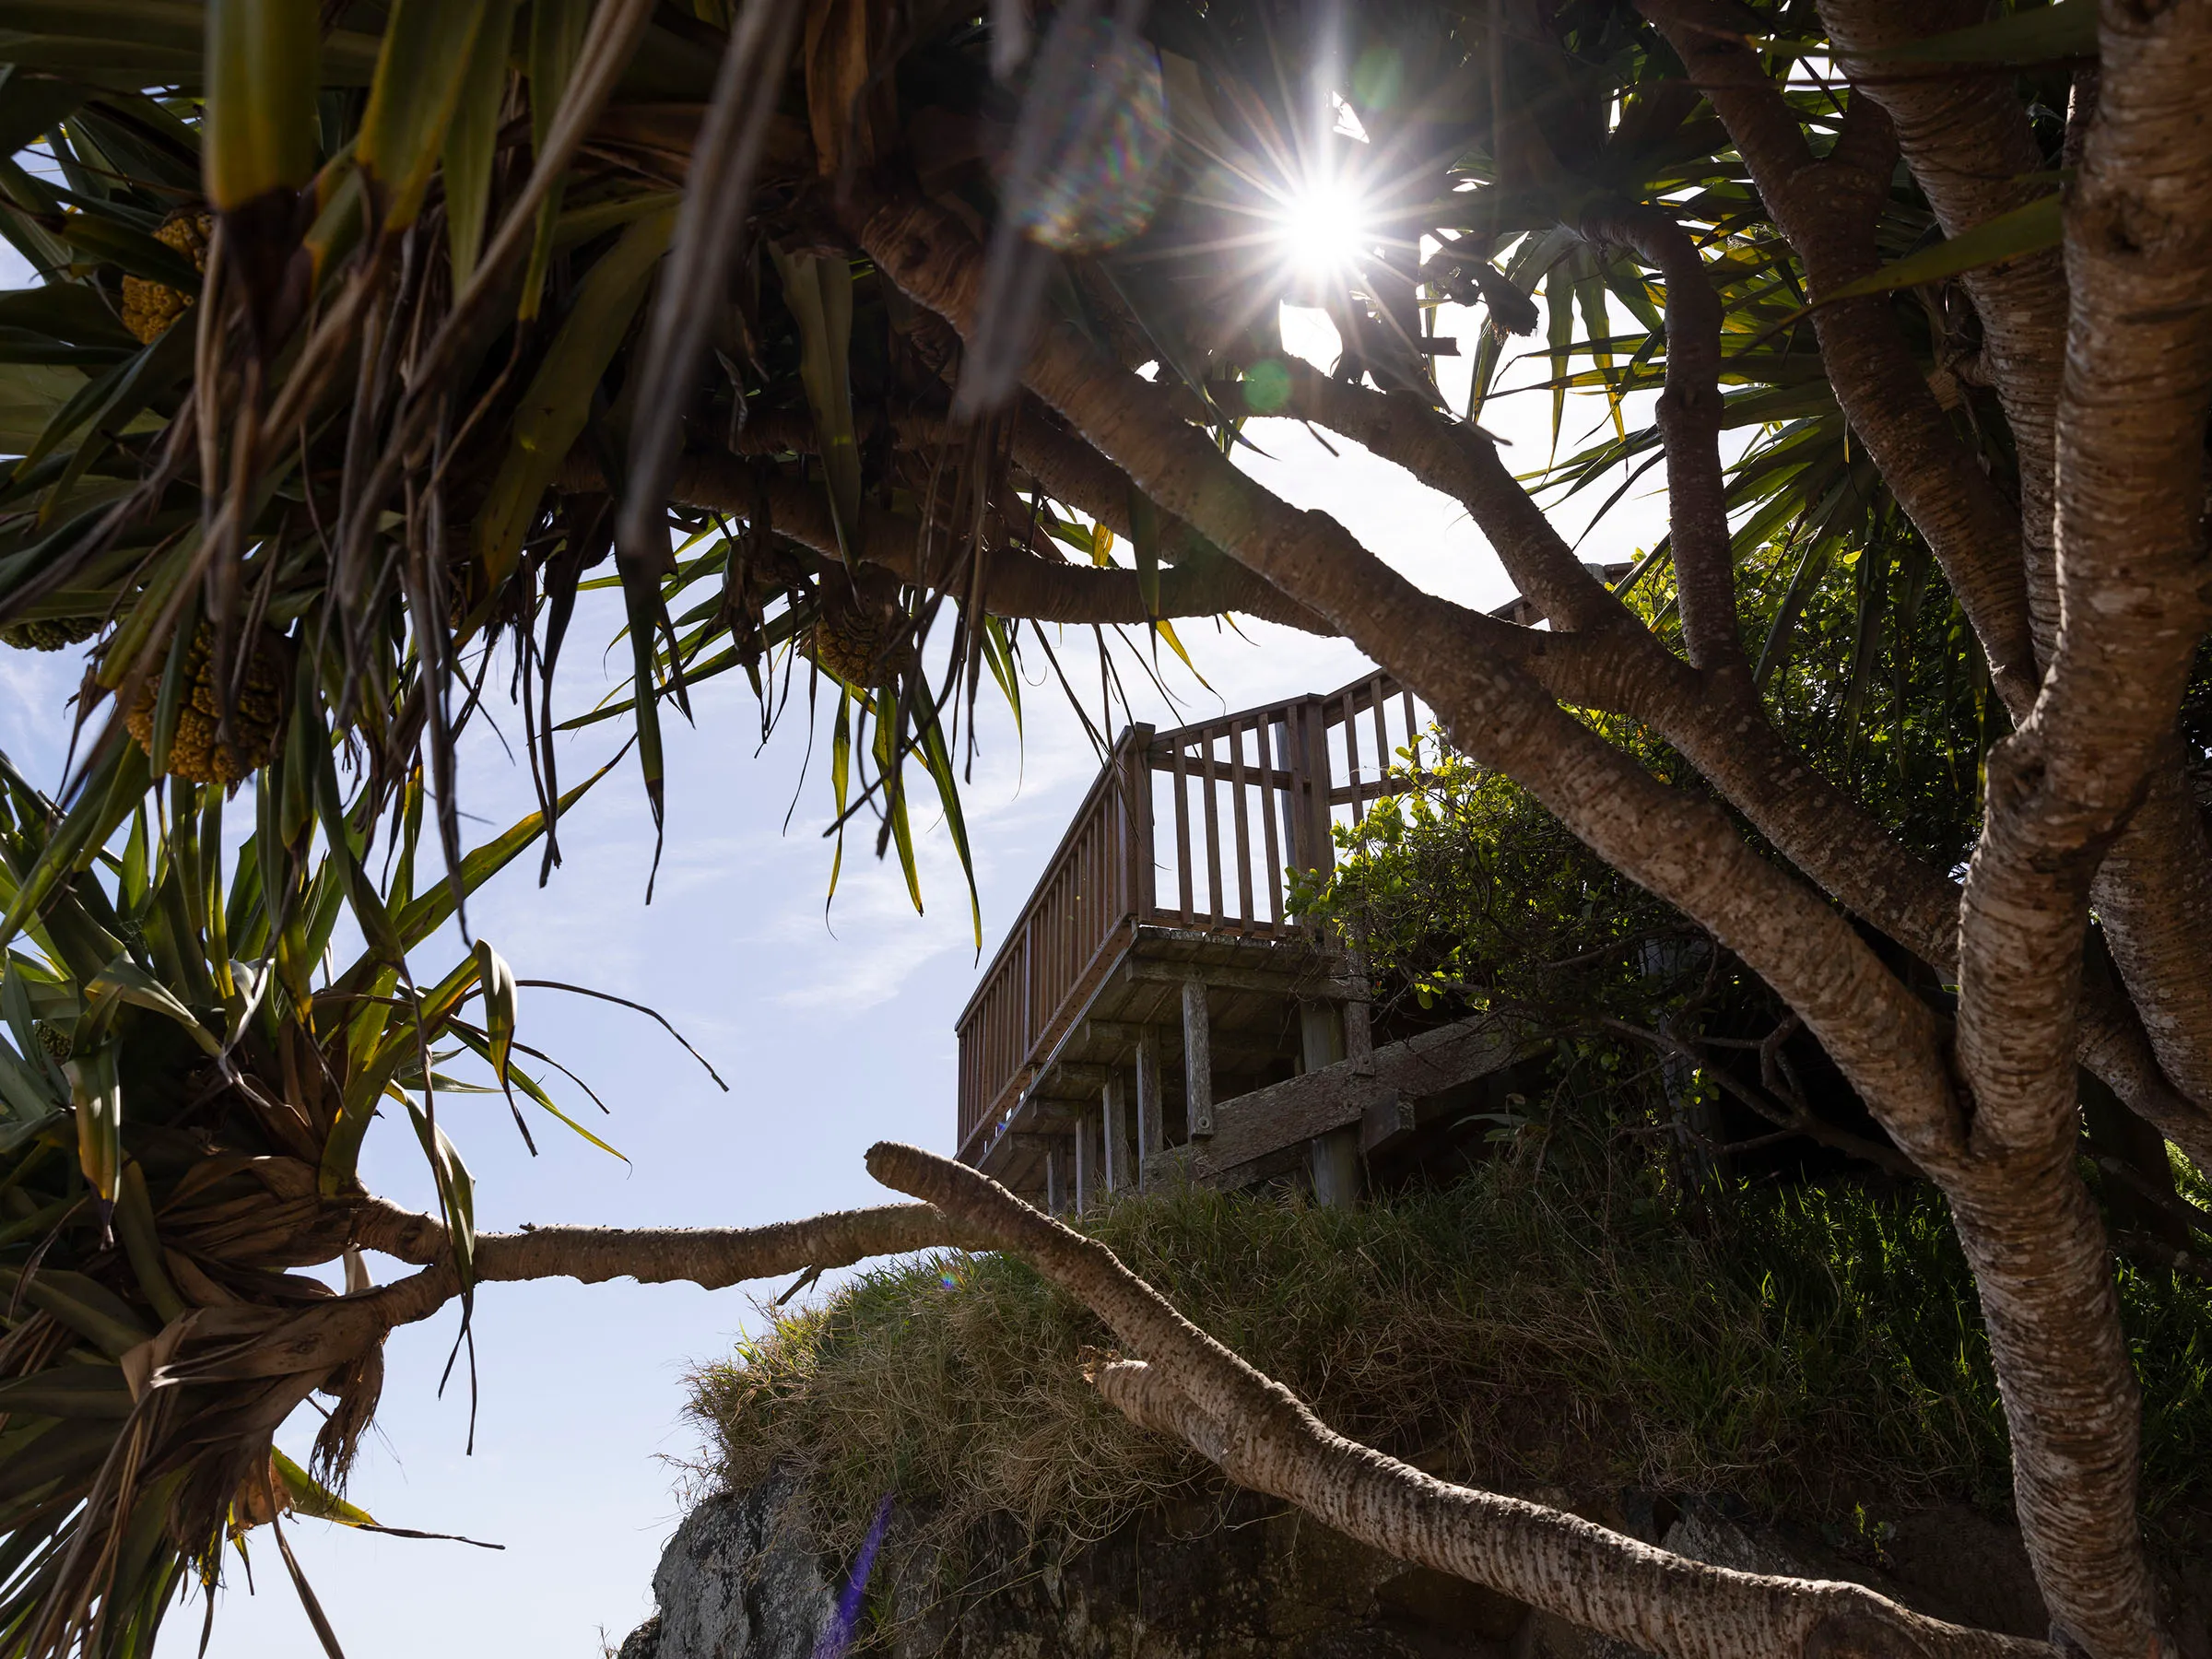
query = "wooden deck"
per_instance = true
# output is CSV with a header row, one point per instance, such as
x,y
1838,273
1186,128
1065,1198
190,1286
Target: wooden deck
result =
x,y
1156,998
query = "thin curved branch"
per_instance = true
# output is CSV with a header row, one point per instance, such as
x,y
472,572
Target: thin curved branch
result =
x,y
1792,1115
1688,418
1260,1435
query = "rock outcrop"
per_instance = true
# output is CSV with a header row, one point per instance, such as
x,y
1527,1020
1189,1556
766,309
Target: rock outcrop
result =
x,y
1241,1578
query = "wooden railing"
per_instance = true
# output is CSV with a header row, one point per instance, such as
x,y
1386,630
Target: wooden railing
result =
x,y
1193,828
1097,881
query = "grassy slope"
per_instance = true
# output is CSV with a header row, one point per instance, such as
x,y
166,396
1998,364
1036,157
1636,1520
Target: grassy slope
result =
x,y
1809,1352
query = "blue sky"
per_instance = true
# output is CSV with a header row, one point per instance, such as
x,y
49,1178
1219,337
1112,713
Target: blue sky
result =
x,y
831,1032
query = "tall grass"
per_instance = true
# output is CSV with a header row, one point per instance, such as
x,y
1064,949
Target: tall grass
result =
x,y
1805,1350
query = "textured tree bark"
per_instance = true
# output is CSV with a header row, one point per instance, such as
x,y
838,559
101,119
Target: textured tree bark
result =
x,y
1261,1436
1827,209
1967,139
2129,443
2154,896
710,1257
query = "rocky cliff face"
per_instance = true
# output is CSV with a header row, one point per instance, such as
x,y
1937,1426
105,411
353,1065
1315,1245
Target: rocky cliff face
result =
x,y
1244,1579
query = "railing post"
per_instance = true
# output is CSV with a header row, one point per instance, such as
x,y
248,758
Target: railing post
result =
x,y
1144,898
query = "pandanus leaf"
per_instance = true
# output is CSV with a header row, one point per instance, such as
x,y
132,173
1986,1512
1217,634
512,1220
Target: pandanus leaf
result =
x,y
818,291
558,401
261,80
499,999
2028,229
472,137
429,48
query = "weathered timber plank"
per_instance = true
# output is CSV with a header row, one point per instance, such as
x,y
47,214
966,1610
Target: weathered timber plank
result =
x,y
1287,981
1252,1125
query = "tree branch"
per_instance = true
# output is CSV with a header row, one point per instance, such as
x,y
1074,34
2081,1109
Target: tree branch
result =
x,y
710,1257
1967,139
1619,665
1688,418
1827,209
2130,444
1260,1435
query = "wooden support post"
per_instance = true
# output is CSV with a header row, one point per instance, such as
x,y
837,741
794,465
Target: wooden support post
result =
x,y
1054,1199
1151,1117
1087,1164
1335,1157
1197,1059
1116,1164
1358,1035
1359,1030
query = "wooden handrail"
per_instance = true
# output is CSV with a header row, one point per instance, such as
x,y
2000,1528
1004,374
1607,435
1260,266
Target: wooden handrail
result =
x,y
1278,766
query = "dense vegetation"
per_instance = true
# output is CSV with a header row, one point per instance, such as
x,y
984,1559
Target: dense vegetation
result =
x,y
1559,1320
867,342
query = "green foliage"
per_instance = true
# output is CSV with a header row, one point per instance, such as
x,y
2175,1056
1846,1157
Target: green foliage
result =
x,y
1463,890
1811,1351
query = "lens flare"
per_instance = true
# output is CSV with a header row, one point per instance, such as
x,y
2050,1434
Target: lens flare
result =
x,y
1322,230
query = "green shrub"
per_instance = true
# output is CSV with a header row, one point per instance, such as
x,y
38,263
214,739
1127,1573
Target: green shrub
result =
x,y
1807,1350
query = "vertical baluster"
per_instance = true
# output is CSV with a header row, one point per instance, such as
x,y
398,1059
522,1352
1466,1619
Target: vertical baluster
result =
x,y
1351,754
1183,835
1380,695
1213,828
1320,775
1411,728
1268,789
1236,786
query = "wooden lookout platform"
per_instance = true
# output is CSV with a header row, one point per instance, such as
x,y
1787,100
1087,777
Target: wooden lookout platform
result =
x,y
1156,1010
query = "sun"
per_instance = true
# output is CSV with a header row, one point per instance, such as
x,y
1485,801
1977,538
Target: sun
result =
x,y
1322,230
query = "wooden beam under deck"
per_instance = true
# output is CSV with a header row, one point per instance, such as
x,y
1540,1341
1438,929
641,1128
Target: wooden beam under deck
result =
x,y
1250,1128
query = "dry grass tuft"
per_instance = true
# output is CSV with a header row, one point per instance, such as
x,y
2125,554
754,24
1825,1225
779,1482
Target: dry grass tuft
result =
x,y
1809,1351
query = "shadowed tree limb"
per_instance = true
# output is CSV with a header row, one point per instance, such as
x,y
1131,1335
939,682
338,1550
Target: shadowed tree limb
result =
x,y
1827,209
1018,584
1968,141
1261,1436
1688,418
2131,433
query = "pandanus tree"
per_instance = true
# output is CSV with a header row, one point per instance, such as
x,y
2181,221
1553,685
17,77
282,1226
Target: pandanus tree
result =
x,y
362,333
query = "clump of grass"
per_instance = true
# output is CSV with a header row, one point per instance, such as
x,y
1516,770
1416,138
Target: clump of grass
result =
x,y
1805,1350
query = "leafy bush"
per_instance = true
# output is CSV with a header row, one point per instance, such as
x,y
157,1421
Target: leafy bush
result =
x,y
1809,1350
